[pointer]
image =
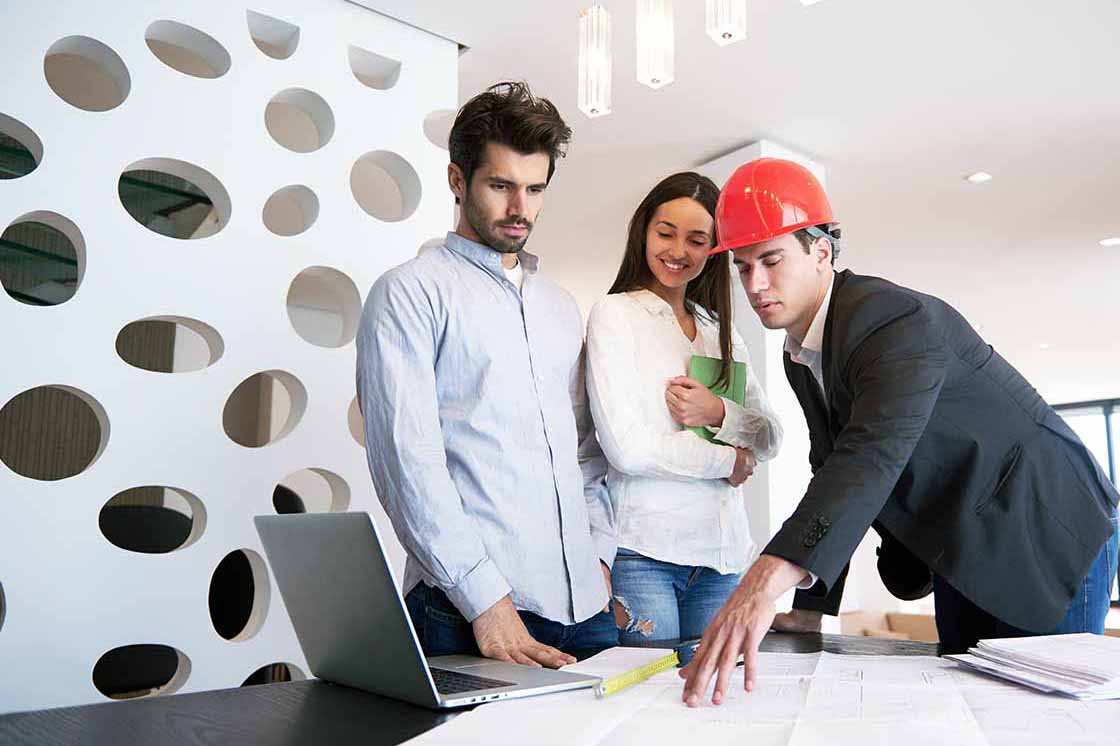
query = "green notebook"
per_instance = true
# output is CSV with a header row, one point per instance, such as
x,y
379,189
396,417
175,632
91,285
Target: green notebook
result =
x,y
706,371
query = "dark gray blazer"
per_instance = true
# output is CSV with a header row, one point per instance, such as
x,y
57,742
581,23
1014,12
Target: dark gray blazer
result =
x,y
935,441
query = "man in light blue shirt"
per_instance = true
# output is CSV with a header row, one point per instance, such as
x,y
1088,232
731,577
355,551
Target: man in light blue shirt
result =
x,y
478,434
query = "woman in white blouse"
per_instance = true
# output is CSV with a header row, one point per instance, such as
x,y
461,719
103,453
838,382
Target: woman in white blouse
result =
x,y
682,523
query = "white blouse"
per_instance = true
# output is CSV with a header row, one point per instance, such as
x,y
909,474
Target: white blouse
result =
x,y
669,487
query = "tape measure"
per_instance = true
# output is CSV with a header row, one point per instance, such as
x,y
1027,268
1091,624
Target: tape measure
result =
x,y
607,687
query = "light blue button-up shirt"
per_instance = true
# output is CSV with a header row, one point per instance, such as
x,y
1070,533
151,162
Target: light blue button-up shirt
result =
x,y
478,434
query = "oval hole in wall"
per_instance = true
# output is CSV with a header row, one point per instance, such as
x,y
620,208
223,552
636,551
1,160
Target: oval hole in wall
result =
x,y
21,150
169,344
291,210
275,673
277,39
133,671
374,70
42,259
174,198
86,74
299,120
52,432
385,185
152,519
264,408
356,422
311,491
324,307
186,49
239,595
437,127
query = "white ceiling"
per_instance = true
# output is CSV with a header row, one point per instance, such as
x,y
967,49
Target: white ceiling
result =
x,y
899,99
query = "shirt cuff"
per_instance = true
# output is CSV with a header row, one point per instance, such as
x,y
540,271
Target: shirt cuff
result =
x,y
808,582
478,590
727,465
732,425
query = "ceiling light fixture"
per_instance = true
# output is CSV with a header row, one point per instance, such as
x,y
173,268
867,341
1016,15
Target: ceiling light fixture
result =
x,y
726,21
1110,242
595,61
978,178
655,42
809,2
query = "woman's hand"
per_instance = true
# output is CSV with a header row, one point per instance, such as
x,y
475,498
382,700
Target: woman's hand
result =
x,y
744,467
692,404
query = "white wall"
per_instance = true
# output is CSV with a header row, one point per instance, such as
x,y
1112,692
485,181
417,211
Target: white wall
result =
x,y
70,594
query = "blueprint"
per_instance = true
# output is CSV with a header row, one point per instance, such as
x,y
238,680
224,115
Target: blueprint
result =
x,y
798,700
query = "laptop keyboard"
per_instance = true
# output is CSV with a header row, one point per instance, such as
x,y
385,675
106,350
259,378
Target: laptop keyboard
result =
x,y
456,682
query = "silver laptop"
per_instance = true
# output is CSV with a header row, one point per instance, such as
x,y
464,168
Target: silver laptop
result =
x,y
355,630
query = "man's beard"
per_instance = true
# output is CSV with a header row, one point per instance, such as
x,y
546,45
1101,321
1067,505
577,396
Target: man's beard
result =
x,y
489,232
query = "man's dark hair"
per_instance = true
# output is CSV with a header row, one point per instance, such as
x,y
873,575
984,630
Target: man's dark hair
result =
x,y
509,114
807,239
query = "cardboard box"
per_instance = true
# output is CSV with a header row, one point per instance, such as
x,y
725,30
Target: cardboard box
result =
x,y
894,626
917,626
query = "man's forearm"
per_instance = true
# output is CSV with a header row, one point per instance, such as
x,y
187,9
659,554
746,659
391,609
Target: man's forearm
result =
x,y
772,576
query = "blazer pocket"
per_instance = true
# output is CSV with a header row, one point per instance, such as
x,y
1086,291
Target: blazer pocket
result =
x,y
1010,463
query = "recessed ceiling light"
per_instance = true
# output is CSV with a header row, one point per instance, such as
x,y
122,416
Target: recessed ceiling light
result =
x,y
1044,345
809,2
1114,241
978,178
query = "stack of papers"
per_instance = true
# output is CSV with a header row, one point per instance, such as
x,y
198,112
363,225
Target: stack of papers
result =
x,y
1084,666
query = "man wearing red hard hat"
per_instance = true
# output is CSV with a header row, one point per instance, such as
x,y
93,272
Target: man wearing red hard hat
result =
x,y
919,430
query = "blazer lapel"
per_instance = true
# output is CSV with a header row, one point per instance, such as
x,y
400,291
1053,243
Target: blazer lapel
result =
x,y
827,374
808,394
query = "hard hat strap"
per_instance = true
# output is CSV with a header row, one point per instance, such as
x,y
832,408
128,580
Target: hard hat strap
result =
x,y
816,232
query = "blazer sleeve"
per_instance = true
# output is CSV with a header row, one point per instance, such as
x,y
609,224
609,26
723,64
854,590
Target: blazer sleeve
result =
x,y
819,598
894,374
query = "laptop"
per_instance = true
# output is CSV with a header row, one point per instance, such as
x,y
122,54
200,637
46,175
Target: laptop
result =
x,y
353,626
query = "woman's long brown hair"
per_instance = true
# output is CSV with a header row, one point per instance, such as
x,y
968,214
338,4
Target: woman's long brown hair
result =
x,y
711,289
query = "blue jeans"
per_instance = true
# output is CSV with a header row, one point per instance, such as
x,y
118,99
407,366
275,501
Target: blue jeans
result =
x,y
960,623
444,631
657,600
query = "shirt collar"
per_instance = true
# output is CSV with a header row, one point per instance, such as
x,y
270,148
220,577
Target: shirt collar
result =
x,y
652,302
658,306
486,257
814,338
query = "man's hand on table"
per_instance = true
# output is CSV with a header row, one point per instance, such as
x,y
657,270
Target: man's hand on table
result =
x,y
739,628
501,634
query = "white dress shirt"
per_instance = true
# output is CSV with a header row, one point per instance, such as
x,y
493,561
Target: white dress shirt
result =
x,y
668,486
808,353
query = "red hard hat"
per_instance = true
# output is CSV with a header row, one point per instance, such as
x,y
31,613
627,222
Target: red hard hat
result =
x,y
767,198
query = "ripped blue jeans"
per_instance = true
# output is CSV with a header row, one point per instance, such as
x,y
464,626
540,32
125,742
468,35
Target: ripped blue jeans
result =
x,y
655,600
